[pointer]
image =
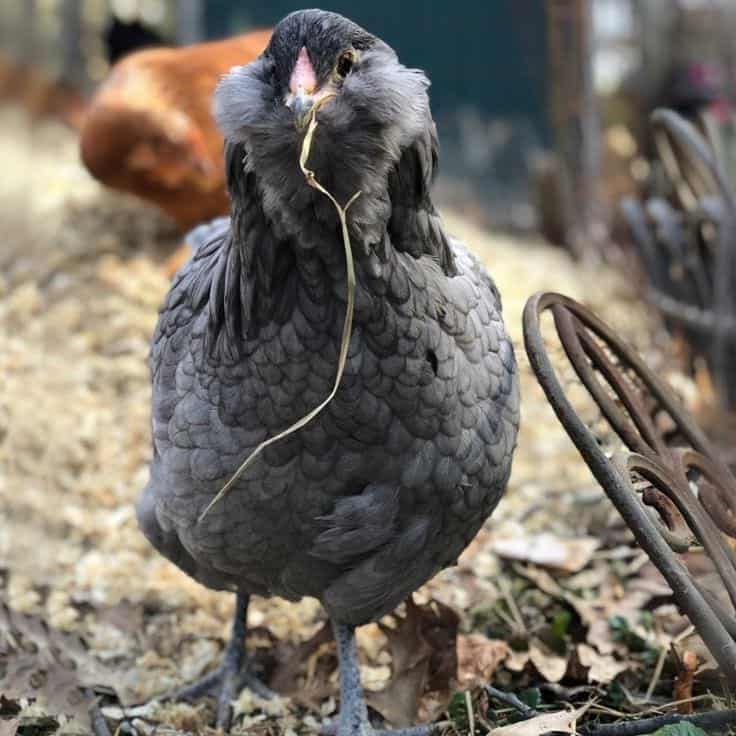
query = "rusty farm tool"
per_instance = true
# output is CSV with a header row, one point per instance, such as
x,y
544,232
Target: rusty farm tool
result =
x,y
667,483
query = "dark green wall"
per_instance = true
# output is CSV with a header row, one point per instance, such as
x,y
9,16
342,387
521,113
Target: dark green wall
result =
x,y
491,55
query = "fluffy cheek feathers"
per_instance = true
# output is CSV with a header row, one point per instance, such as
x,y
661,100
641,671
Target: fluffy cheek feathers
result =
x,y
381,92
244,99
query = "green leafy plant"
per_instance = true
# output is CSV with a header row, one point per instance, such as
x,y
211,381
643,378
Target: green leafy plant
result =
x,y
681,729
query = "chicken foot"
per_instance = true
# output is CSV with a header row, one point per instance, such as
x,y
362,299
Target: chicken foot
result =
x,y
231,676
353,718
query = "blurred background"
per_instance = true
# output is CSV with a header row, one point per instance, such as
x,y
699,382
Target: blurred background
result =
x,y
511,81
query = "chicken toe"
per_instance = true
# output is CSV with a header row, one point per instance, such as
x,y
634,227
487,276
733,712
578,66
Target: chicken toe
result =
x,y
232,676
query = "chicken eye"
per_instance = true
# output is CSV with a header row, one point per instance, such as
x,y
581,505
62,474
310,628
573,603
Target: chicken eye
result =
x,y
345,64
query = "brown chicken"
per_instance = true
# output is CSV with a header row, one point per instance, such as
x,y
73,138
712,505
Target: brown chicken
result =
x,y
149,130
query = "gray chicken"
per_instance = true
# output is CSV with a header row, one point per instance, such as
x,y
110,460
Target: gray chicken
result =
x,y
394,478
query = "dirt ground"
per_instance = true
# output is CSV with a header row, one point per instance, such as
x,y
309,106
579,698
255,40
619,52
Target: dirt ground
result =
x,y
80,284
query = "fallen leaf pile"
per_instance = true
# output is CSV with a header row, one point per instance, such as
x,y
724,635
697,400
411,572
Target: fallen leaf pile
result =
x,y
48,666
551,601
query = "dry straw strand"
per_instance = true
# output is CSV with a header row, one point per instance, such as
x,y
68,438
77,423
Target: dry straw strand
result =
x,y
347,326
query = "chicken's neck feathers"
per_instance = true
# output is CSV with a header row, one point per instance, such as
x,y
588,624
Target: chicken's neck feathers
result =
x,y
279,251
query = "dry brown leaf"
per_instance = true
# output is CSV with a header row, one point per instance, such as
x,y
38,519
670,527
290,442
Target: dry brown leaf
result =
x,y
587,579
423,657
541,578
560,721
547,584
439,628
398,702
602,668
47,665
550,665
54,686
600,636
294,661
478,657
52,645
125,616
548,550
614,601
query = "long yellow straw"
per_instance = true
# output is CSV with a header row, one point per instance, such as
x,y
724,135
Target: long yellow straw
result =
x,y
347,326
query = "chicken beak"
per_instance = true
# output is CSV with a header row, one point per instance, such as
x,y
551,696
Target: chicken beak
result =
x,y
301,105
303,82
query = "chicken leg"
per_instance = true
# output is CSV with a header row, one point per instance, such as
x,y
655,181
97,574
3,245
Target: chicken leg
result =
x,y
353,718
232,675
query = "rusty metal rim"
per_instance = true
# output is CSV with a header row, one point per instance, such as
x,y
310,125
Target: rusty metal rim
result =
x,y
543,301
673,132
637,430
669,128
613,476
702,320
674,485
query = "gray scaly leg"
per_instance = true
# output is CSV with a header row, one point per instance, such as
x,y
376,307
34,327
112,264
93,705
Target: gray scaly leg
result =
x,y
353,719
353,710
231,676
